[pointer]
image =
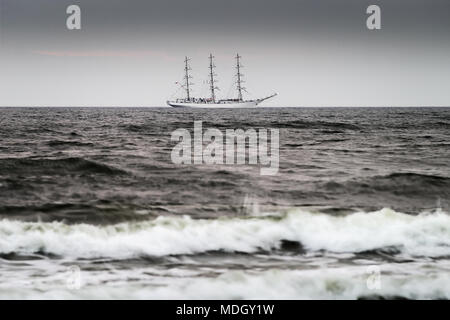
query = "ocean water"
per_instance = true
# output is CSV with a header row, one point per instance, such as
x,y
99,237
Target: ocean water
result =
x,y
92,207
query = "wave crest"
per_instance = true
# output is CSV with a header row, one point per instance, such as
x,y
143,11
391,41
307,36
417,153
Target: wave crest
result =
x,y
55,166
420,235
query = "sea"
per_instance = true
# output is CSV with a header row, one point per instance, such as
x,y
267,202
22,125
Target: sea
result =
x,y
93,207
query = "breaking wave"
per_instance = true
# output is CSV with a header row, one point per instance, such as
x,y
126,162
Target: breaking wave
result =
x,y
421,235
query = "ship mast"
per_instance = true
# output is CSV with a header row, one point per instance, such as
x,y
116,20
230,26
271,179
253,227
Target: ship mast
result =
x,y
239,77
187,77
211,78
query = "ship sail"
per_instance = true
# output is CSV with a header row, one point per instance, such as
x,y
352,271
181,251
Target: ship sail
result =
x,y
212,101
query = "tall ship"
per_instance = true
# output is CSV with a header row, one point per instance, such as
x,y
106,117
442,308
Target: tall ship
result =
x,y
212,101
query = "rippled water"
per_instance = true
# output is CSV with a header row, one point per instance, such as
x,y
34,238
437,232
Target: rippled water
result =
x,y
95,189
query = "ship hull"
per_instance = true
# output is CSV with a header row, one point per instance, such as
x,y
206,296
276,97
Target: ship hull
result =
x,y
243,104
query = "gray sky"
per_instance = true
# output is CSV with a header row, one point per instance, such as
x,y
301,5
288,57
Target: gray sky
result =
x,y
313,53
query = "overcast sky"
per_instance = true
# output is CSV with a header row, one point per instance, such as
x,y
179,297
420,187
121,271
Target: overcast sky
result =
x,y
313,53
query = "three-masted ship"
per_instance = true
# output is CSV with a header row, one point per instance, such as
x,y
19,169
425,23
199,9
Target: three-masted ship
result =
x,y
212,102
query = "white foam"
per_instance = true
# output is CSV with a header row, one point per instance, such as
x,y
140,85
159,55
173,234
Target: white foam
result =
x,y
419,235
412,280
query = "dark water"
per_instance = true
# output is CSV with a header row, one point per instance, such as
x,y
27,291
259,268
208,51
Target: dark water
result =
x,y
96,188
101,165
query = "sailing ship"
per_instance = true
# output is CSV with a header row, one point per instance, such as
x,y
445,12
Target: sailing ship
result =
x,y
212,102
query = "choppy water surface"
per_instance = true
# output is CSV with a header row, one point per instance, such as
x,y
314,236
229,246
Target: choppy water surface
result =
x,y
95,189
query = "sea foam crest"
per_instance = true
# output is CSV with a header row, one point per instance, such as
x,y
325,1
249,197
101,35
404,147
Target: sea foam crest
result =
x,y
416,235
